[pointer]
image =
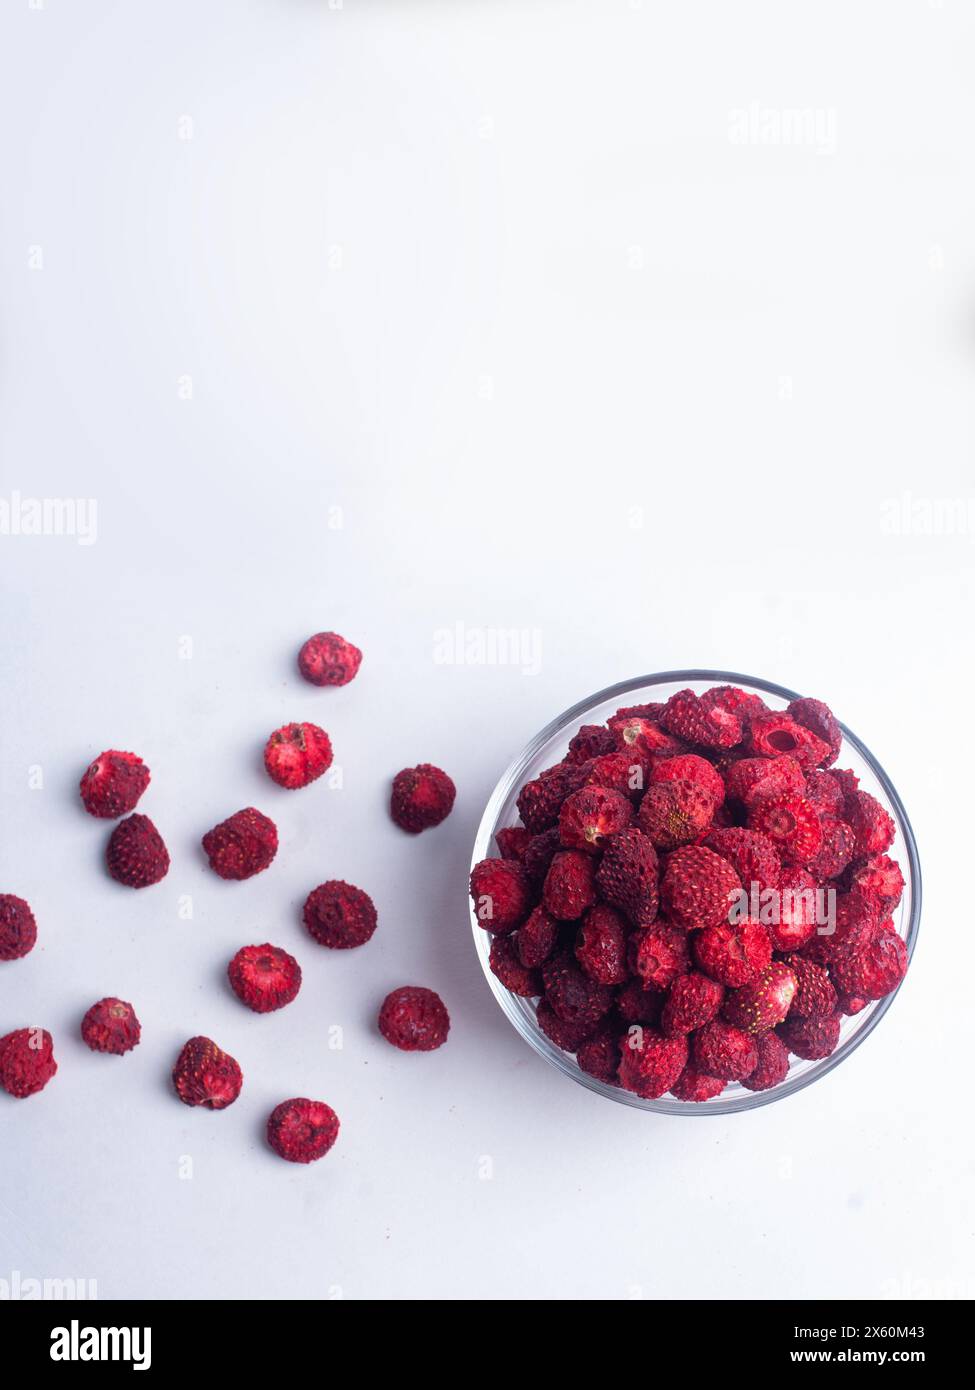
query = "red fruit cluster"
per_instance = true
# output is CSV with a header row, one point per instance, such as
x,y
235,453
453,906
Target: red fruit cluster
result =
x,y
660,898
111,1025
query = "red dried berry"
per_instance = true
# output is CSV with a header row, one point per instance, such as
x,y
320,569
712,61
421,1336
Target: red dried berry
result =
x,y
689,767
851,1004
650,1063
870,962
752,856
136,855
848,781
111,1025
627,877
18,929
242,845
539,853
652,710
819,720
815,996
599,1055
264,978
873,827
698,887
637,1004
568,1036
811,1038
696,1086
825,793
536,937
881,877
512,842
735,700
797,911
26,1061
422,797
339,915
569,885
640,737
734,955
206,1075
774,734
694,722
500,891
301,1130
753,779
113,783
835,851
591,741
328,659
853,910
791,823
589,816
297,754
540,800
694,1000
721,1049
575,997
507,966
414,1019
659,954
758,1007
773,1064
601,946
618,772
675,813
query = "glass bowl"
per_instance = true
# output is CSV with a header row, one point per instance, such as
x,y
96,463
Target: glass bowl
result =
x,y
550,746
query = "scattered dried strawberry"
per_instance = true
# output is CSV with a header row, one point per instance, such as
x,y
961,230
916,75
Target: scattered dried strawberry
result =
x,y
675,813
659,954
264,978
601,945
340,915
242,845
650,1063
297,754
515,976
694,999
414,1019
773,1064
136,855
536,937
696,1086
570,885
589,816
791,823
18,929
733,954
758,1007
721,1049
815,996
627,877
698,887
113,783
206,1075
500,891
811,1038
301,1130
26,1061
328,659
111,1025
422,797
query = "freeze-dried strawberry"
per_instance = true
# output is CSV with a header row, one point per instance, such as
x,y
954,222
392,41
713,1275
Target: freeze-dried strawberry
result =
x,y
536,937
675,813
773,1064
637,1004
302,1130
627,877
652,710
518,978
136,854
640,737
297,754
734,955
851,1004
752,856
873,827
513,842
836,849
26,1061
113,783
620,772
870,962
501,894
734,700
339,915
575,997
811,1038
601,945
599,1055
414,1019
815,996
591,741
882,878
751,778
539,853
721,1049
242,845
570,885
773,734
206,1075
825,793
659,954
568,1036
650,1063
757,1007
792,825
698,887
696,1086
328,659
851,911
848,781
693,722
18,929
264,978
690,767
693,1000
797,911
820,720
540,800
422,797
111,1026
589,816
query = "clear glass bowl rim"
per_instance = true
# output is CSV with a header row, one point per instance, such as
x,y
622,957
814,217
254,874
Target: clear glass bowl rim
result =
x,y
484,848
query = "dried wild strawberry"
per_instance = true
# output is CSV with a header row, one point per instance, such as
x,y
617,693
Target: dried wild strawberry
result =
x,y
576,998
825,793
721,1049
773,1064
696,1086
601,945
539,853
536,937
513,842
690,767
569,885
500,892
264,978
881,877
758,1007
811,1038
414,1019
650,1063
136,855
873,827
752,855
820,720
659,954
422,797
640,737
591,741
18,929
111,1026
616,771
815,996
693,722
589,816
505,964
301,1130
297,754
242,845
675,813
113,783
568,1036
698,887
870,962
773,734
26,1061
791,823
339,915
540,800
797,911
637,1004
328,659
733,954
694,999
206,1075
599,1055
627,877
836,849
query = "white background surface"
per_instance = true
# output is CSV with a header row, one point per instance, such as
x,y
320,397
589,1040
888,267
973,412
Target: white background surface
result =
x,y
497,283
